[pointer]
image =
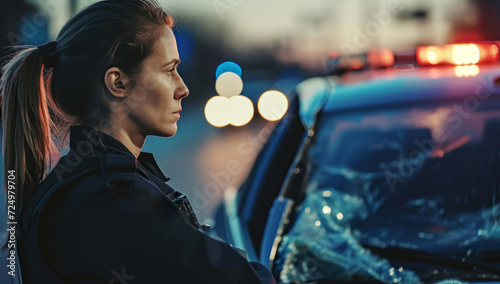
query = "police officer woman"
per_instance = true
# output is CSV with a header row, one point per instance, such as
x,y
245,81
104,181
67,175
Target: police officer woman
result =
x,y
103,213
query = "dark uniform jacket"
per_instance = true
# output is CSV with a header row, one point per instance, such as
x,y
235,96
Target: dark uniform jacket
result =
x,y
109,218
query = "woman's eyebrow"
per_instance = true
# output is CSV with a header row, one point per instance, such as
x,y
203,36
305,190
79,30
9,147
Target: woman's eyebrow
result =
x,y
175,61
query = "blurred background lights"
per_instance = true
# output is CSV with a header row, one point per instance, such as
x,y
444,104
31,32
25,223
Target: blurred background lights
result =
x,y
466,70
340,216
465,54
432,56
221,111
216,111
326,210
230,107
228,66
229,84
272,105
240,110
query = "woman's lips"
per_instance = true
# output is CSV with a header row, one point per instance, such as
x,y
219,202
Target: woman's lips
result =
x,y
177,114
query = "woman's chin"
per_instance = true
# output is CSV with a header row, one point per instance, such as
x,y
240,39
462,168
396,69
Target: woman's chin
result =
x,y
169,131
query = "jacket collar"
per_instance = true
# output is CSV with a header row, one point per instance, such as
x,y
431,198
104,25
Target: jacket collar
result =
x,y
85,138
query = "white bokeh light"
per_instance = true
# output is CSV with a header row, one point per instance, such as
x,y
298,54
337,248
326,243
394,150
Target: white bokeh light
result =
x,y
272,105
216,111
240,110
326,210
340,216
228,84
466,54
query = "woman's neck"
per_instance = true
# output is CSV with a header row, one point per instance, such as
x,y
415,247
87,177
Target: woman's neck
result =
x,y
131,139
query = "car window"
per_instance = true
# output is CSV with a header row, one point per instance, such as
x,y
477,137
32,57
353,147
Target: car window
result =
x,y
420,179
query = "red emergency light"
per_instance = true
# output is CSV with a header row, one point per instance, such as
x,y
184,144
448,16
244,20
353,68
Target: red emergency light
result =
x,y
457,54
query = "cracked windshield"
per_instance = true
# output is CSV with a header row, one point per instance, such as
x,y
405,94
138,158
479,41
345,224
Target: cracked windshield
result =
x,y
416,182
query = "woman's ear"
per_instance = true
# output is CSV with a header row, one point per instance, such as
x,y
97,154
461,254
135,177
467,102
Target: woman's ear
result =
x,y
116,80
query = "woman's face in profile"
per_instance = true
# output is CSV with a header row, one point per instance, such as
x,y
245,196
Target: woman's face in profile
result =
x,y
154,103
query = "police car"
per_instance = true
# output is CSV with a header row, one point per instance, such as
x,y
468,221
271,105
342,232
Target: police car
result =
x,y
387,170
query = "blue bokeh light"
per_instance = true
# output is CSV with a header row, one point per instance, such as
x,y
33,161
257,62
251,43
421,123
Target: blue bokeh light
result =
x,y
228,66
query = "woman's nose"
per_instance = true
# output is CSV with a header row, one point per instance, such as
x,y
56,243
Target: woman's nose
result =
x,y
182,90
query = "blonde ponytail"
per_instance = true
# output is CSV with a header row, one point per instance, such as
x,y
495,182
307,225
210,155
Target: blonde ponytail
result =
x,y
26,122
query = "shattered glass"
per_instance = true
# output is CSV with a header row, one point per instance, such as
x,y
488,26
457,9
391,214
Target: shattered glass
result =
x,y
398,196
320,246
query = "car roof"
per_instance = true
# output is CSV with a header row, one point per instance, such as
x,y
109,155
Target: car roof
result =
x,y
403,85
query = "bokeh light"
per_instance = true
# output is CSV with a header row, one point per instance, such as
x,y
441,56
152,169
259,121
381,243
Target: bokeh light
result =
x,y
465,54
432,56
229,84
326,210
466,70
340,216
228,66
216,111
272,105
240,109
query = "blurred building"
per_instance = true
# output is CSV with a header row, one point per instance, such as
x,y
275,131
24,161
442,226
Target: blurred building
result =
x,y
304,32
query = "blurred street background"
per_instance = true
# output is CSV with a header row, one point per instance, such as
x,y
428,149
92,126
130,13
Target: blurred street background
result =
x,y
277,44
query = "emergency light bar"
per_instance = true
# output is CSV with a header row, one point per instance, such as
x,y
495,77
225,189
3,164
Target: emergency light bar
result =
x,y
450,54
457,54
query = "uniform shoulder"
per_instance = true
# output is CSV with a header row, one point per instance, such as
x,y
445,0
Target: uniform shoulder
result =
x,y
107,181
92,173
107,165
